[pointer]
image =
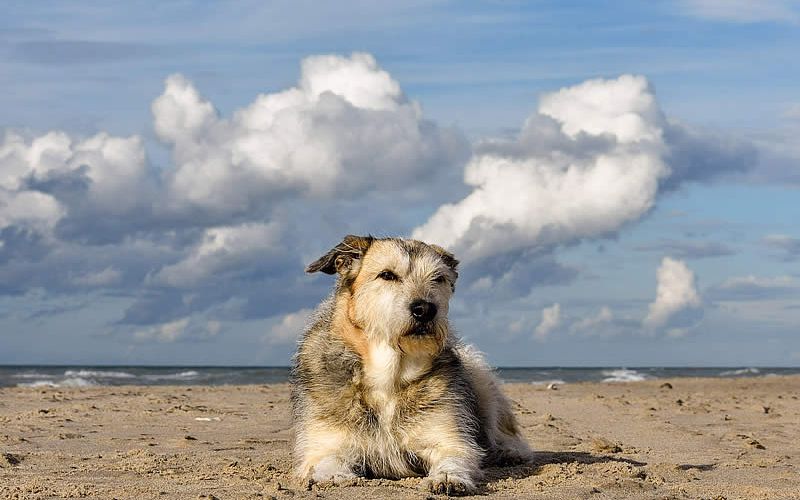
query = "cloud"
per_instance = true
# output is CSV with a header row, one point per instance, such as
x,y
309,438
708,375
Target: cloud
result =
x,y
689,249
551,319
744,11
779,151
60,186
345,129
752,288
223,250
587,163
167,332
594,325
788,246
290,327
114,167
594,158
187,329
512,275
698,155
222,232
29,209
105,277
247,198
677,306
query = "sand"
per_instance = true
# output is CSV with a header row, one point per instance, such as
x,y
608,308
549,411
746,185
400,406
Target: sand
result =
x,y
678,438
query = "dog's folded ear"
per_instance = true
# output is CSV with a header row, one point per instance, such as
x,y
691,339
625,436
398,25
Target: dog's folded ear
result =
x,y
341,257
447,257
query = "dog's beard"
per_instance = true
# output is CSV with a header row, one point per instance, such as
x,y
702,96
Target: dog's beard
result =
x,y
422,339
417,329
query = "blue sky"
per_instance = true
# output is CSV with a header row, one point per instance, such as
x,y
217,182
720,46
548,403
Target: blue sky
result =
x,y
619,183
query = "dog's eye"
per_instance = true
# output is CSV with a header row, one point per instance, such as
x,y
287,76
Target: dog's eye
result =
x,y
387,275
439,279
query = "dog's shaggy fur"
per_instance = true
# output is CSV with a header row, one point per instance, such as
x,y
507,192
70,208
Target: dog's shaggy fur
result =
x,y
382,387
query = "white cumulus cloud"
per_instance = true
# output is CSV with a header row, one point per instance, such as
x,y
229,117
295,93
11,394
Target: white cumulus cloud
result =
x,y
250,194
113,171
586,164
345,128
113,166
551,319
678,305
30,209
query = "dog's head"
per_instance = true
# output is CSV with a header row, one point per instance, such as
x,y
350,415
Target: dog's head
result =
x,y
395,290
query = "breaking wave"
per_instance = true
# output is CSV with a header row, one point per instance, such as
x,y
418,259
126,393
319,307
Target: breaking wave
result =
x,y
623,375
67,382
743,371
98,374
173,376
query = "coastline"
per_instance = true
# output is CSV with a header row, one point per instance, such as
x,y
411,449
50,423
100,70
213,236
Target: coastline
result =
x,y
117,375
666,438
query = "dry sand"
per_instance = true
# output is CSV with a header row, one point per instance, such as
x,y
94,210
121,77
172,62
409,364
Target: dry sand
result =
x,y
679,438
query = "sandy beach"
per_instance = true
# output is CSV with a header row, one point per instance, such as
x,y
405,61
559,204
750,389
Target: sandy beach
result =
x,y
676,438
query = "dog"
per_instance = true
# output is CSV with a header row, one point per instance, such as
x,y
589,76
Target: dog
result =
x,y
382,387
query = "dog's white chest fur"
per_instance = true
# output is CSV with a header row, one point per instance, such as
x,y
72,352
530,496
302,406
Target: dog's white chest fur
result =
x,y
386,370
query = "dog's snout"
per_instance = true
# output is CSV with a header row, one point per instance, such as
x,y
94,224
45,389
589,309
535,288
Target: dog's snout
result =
x,y
423,310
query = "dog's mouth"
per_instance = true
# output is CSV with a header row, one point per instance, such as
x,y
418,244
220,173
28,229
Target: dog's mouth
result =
x,y
419,330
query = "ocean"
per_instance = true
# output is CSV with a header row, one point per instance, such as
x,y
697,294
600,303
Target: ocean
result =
x,y
87,376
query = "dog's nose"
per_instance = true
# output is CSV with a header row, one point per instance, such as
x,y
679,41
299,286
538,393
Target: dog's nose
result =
x,y
422,310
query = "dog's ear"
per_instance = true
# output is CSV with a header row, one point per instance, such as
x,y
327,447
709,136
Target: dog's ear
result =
x,y
448,259
340,258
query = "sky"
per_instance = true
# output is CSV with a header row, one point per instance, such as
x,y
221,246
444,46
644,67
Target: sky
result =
x,y
620,184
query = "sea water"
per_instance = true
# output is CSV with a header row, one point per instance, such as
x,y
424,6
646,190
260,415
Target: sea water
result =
x,y
86,376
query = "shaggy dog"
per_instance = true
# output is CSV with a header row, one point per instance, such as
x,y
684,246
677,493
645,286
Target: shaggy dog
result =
x,y
381,385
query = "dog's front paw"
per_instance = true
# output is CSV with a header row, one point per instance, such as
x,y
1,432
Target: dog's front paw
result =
x,y
448,484
332,470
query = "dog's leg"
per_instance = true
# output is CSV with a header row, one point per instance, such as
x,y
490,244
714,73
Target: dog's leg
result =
x,y
453,459
323,454
507,446
334,468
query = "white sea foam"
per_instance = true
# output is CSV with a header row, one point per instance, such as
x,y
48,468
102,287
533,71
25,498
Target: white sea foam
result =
x,y
623,375
173,376
34,375
548,382
98,374
67,382
38,383
743,371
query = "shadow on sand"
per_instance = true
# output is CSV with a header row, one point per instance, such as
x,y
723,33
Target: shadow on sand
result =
x,y
542,458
